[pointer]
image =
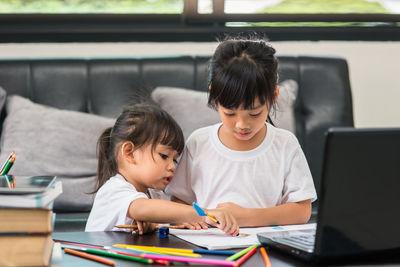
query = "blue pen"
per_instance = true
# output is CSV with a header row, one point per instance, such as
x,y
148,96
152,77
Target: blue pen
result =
x,y
201,212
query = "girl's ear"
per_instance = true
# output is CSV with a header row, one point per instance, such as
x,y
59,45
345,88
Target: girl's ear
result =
x,y
128,152
276,93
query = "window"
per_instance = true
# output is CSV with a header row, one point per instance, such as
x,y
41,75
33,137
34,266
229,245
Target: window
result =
x,y
196,20
91,6
312,6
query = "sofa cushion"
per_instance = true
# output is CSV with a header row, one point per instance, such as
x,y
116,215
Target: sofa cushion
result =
x,y
3,95
51,141
283,114
189,108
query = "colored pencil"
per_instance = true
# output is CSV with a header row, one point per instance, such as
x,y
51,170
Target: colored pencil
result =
x,y
212,217
162,250
136,252
265,257
200,251
169,252
245,256
77,244
9,164
89,256
215,252
123,251
113,254
202,212
5,163
189,260
131,252
152,247
11,181
241,253
133,226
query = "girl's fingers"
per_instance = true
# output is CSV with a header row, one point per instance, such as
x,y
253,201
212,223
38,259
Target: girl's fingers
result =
x,y
236,233
179,226
140,227
222,222
190,226
233,225
195,226
203,225
235,228
229,224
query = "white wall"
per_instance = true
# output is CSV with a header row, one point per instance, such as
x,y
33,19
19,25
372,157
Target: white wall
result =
x,y
374,67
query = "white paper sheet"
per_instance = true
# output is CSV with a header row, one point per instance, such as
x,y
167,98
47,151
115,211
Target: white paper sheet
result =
x,y
214,238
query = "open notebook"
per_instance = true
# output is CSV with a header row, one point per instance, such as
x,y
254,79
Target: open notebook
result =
x,y
214,238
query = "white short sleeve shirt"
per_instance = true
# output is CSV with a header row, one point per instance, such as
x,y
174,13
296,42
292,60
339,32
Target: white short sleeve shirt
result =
x,y
110,206
274,173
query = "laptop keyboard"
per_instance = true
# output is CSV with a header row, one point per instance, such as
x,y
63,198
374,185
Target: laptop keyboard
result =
x,y
304,242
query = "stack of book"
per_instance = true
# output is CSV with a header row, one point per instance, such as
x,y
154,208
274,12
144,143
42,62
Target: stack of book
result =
x,y
26,219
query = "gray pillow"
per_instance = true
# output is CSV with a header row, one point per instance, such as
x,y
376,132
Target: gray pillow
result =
x,y
282,114
3,95
189,108
51,141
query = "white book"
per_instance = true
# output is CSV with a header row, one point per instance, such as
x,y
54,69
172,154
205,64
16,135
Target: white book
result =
x,y
214,238
34,200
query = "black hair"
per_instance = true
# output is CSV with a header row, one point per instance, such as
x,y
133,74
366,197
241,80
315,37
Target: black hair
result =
x,y
142,124
242,70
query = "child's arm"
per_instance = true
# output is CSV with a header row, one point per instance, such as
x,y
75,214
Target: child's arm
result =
x,y
161,211
288,213
190,225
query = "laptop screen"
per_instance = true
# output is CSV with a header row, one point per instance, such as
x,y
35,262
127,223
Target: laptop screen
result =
x,y
359,209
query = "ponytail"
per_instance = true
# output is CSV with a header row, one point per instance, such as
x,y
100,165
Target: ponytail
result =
x,y
141,124
107,166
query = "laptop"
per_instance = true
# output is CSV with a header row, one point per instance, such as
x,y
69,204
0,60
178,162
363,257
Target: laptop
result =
x,y
359,199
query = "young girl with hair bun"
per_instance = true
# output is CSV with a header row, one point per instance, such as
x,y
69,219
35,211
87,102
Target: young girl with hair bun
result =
x,y
245,165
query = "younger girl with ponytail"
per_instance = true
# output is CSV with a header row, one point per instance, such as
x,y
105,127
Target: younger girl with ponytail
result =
x,y
137,158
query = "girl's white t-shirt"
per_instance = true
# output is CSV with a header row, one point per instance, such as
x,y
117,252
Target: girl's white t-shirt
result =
x,y
274,173
110,206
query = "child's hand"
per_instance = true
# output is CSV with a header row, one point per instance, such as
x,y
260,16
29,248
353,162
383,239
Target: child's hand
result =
x,y
235,209
195,225
145,227
227,222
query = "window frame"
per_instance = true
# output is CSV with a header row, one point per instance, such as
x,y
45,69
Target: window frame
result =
x,y
188,26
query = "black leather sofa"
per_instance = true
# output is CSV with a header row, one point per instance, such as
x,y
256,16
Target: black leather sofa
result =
x,y
102,85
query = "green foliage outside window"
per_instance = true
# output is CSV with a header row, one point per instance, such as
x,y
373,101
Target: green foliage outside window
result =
x,y
329,6
323,7
92,6
176,7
